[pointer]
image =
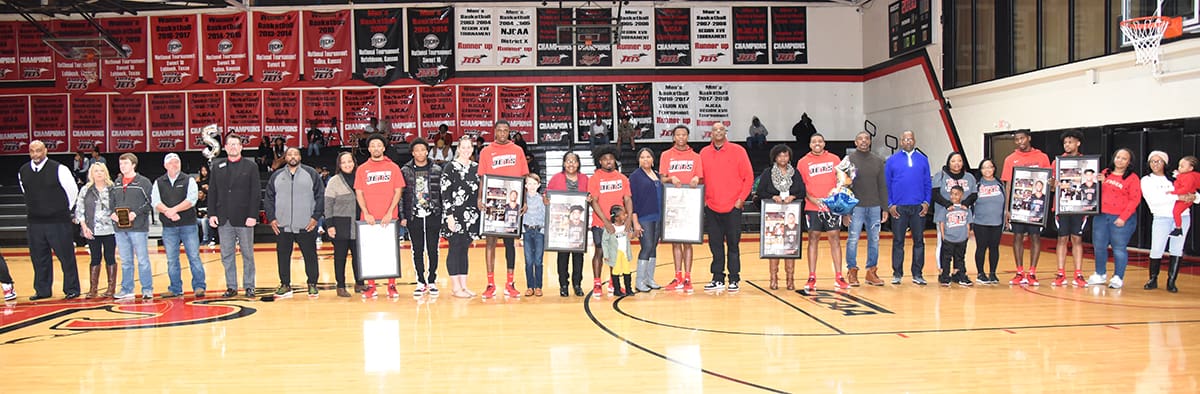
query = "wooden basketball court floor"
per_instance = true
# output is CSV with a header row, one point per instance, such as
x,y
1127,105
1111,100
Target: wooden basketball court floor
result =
x,y
905,338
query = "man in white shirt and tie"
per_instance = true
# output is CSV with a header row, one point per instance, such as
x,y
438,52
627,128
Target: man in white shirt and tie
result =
x,y
50,194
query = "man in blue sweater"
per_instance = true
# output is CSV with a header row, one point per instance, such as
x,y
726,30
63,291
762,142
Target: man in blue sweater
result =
x,y
909,192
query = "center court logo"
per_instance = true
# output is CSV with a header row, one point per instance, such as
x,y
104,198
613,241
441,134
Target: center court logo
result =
x,y
42,321
844,303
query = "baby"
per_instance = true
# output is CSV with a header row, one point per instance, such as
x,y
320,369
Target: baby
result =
x,y
1187,181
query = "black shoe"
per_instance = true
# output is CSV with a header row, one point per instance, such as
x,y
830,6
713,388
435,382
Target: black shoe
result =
x,y
578,291
993,279
962,280
983,279
250,293
1176,231
39,297
733,287
229,293
562,291
71,296
943,280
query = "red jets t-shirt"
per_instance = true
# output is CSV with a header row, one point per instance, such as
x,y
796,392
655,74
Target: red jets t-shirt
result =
x,y
503,159
681,164
609,188
378,180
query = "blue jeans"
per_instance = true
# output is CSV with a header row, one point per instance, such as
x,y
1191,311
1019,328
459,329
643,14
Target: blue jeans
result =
x,y
864,217
1104,233
129,243
172,237
1161,242
760,140
202,223
910,218
314,149
648,240
535,247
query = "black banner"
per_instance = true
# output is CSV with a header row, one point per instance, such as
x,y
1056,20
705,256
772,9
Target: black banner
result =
x,y
549,50
555,113
635,101
789,35
594,44
750,35
673,36
431,44
378,41
595,102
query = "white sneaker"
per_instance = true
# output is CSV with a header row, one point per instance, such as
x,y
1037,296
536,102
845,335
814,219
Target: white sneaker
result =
x,y
9,292
123,295
433,290
420,290
1115,282
1096,279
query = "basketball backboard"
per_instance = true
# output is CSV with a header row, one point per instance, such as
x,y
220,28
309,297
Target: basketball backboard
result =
x,y
92,47
1189,10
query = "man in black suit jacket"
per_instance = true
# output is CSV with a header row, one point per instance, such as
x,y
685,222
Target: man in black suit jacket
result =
x,y
235,195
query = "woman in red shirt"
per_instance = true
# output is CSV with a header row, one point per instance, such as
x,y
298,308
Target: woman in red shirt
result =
x,y
1120,194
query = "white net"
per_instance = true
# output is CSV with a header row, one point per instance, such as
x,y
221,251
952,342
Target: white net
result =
x,y
1145,35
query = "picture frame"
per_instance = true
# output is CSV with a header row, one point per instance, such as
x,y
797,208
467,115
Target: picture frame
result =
x,y
1029,197
500,217
123,220
781,230
683,214
377,251
566,225
1077,185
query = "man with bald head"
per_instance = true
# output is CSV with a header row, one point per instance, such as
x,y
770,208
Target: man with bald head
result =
x,y
910,189
50,194
727,171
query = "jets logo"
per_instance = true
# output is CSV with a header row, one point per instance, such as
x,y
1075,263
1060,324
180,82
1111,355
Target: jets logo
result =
x,y
552,60
473,59
125,83
123,145
749,57
787,57
74,84
171,78
44,321
504,60
274,75
4,72
169,144
34,73
84,145
324,73
376,72
397,138
428,72
226,78
672,59
591,60
557,136
633,58
709,58
14,146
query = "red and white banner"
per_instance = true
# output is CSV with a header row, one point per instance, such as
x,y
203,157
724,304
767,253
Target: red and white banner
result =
x,y
127,123
515,37
14,125
226,54
635,102
516,106
398,106
477,110
476,28
439,107
711,36
36,58
277,48
323,107
358,107
327,47
89,120
168,122
243,114
81,75
129,74
281,115
48,122
204,108
8,52
175,50
636,46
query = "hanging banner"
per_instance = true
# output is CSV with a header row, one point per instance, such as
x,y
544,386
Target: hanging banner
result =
x,y
323,107
476,27
593,45
477,111
431,44
8,51
358,107
711,35
243,115
378,40
789,35
174,50
516,106
398,107
556,114
439,106
89,123
635,102
277,48
750,35
636,46
281,115
35,57
593,102
327,47
80,75
168,122
14,125
553,49
204,108
226,54
48,122
712,106
126,75
127,123
514,43
673,37
673,107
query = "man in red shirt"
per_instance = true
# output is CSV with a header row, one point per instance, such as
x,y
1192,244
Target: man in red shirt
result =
x,y
378,186
606,188
681,165
502,158
820,178
1023,156
728,172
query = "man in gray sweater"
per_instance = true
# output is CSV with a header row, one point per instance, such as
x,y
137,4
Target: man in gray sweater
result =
x,y
295,202
870,187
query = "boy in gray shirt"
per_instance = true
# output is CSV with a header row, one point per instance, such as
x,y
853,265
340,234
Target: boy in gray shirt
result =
x,y
955,226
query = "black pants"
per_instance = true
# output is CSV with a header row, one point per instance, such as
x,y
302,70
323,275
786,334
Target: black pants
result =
x,y
56,237
5,277
910,219
510,252
724,235
307,241
576,273
424,235
953,252
103,246
987,241
456,259
341,248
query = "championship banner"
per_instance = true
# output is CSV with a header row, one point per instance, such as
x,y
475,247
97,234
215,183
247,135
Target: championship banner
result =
x,y
673,37
398,106
243,115
126,75
711,36
48,122
477,110
750,35
431,44
226,52
636,46
635,102
127,123
281,115
14,125
204,108
277,48
378,40
76,76
593,102
516,106
593,47
673,107
89,121
439,106
789,35
476,27
35,57
168,122
358,107
8,52
549,50
174,49
556,114
515,41
327,47
712,106
322,107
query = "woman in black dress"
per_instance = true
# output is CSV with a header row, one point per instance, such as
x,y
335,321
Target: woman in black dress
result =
x,y
460,221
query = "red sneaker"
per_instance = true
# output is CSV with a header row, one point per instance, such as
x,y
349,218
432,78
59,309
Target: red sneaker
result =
x,y
1079,281
597,291
369,292
812,284
1031,279
490,291
687,286
392,293
1059,280
511,290
1016,280
841,283
676,284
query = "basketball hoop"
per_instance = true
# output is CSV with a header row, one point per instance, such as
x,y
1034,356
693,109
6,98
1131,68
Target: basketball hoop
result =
x,y
1145,34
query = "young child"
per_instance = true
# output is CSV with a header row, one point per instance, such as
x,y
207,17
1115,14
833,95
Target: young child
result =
x,y
618,253
535,236
1187,181
955,229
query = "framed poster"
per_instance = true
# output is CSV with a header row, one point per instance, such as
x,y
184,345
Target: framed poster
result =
x,y
780,231
683,214
1030,197
567,221
377,252
1078,191
503,198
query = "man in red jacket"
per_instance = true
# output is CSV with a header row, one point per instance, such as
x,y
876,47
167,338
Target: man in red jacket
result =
x,y
729,178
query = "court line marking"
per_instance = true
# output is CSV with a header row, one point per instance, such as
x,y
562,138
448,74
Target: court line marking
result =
x,y
1108,303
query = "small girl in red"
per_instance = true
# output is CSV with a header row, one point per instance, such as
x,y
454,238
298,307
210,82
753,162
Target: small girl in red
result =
x,y
1187,181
